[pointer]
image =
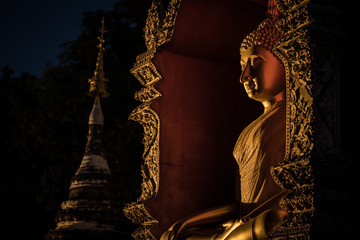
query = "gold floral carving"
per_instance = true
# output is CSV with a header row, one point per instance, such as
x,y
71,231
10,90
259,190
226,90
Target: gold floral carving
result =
x,y
295,172
158,31
311,93
159,25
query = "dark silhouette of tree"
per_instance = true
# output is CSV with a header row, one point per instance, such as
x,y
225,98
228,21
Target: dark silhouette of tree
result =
x,y
44,121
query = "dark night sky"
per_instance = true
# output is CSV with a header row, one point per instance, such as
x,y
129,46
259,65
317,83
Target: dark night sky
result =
x,y
32,30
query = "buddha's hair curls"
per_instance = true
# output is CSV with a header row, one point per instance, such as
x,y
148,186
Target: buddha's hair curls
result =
x,y
266,35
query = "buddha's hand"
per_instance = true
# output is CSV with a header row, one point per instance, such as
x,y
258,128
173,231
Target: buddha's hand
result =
x,y
173,232
257,228
229,227
168,235
228,224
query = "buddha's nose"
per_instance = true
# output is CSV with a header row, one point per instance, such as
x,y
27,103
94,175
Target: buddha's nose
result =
x,y
246,75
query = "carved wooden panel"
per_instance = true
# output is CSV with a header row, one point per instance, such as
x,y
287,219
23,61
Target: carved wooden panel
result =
x,y
157,32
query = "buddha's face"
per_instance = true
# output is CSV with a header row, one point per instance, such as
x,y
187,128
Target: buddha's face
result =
x,y
263,75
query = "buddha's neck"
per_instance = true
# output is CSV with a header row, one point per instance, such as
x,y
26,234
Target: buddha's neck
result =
x,y
271,103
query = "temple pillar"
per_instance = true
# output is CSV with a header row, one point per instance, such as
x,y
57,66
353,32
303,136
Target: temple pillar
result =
x,y
314,170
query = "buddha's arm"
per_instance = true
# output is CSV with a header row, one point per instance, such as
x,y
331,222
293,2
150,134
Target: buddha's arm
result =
x,y
215,215
257,228
258,223
271,203
224,213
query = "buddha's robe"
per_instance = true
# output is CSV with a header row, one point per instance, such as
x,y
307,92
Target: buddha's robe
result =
x,y
260,146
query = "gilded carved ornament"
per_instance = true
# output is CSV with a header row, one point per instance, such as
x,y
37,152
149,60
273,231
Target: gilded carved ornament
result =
x,y
294,173
157,33
312,101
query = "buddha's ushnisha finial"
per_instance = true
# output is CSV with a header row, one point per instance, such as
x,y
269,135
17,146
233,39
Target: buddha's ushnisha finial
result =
x,y
98,83
267,34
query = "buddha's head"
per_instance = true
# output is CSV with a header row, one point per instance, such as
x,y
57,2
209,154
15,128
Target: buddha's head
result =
x,y
263,73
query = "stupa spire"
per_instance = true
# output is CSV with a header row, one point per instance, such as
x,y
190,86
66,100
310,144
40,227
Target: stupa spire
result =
x,y
91,211
98,83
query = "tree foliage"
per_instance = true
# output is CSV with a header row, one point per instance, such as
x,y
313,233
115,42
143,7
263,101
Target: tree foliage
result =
x,y
44,121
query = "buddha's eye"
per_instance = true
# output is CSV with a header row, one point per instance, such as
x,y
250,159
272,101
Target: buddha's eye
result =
x,y
256,61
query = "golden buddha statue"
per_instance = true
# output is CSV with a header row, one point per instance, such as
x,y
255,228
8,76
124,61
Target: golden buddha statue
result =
x,y
260,146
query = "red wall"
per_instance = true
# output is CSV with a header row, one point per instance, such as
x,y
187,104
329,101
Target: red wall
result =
x,y
203,108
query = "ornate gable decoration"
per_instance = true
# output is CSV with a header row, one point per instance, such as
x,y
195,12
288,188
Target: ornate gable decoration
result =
x,y
158,31
310,93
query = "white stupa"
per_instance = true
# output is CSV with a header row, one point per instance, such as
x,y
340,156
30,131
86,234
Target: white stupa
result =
x,y
91,211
